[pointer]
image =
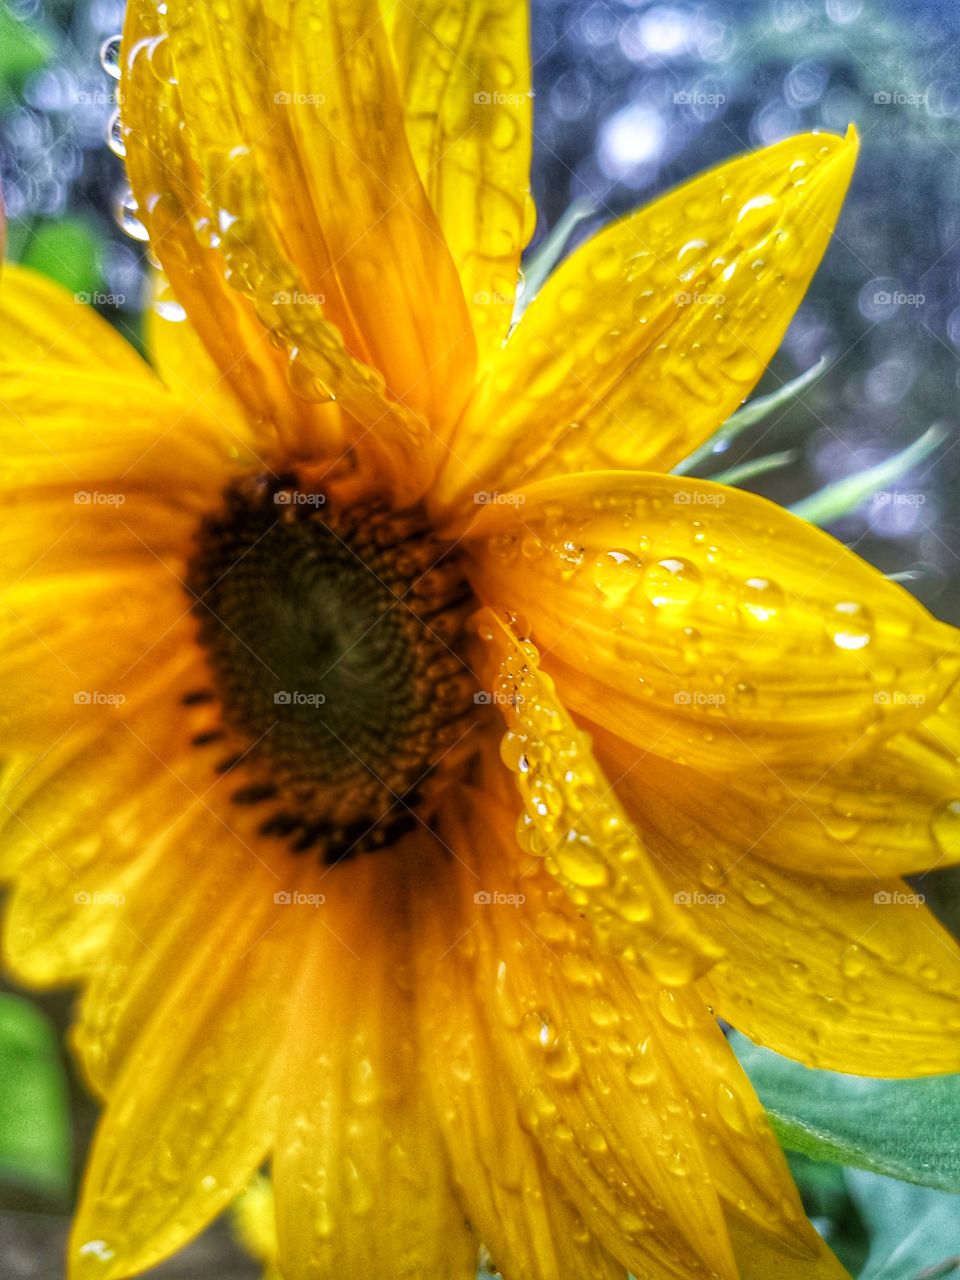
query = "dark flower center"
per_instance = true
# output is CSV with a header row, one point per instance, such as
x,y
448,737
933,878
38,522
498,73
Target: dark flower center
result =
x,y
332,637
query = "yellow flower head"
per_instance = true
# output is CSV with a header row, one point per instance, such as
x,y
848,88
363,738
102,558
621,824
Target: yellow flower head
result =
x,y
409,765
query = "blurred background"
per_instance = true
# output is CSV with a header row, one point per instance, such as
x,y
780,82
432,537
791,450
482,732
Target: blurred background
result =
x,y
632,96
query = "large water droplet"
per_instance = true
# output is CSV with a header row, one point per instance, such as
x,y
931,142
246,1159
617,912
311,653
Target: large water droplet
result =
x,y
115,135
756,218
851,625
672,581
761,599
110,56
615,574
126,211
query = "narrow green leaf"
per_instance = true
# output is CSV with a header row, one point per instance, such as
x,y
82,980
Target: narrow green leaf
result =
x,y
901,1128
839,499
545,257
34,1115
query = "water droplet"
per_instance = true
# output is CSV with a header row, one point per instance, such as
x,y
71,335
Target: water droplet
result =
x,y
756,218
854,962
169,309
757,893
731,1109
110,56
761,599
671,582
126,211
115,135
851,625
579,864
615,574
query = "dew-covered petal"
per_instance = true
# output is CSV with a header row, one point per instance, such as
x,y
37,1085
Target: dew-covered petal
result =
x,y
571,817
361,1178
234,263
613,1129
759,1257
851,975
512,1199
183,224
893,811
708,624
464,70
193,1109
649,336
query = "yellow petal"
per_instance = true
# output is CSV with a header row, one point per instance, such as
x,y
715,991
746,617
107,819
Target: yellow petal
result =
x,y
760,1258
361,1178
79,408
853,975
572,819
572,1042
302,98
185,366
466,81
646,339
512,1199
192,1111
894,811
709,625
184,230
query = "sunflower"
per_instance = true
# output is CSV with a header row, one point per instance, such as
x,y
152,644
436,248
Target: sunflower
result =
x,y
410,768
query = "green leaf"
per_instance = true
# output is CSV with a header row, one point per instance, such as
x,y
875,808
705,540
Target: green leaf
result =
x,y
902,1128
67,251
22,50
914,1231
34,1114
843,496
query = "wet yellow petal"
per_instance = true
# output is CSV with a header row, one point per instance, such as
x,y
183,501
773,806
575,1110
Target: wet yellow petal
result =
x,y
185,366
203,198
709,625
646,339
359,1170
760,1258
573,1046
466,81
853,975
510,1196
572,819
891,812
302,97
192,1113
184,228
